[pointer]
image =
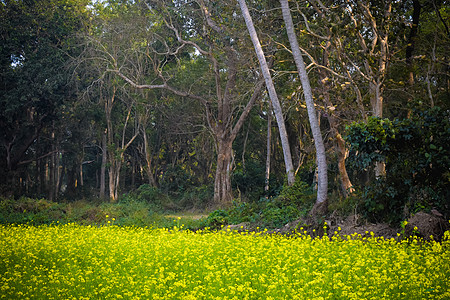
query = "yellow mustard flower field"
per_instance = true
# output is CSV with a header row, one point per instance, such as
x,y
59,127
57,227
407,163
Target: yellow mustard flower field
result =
x,y
113,262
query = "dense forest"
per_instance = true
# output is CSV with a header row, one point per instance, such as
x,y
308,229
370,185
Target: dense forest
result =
x,y
114,98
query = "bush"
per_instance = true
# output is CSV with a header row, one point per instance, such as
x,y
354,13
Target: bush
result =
x,y
217,219
158,200
300,194
27,210
196,197
268,212
249,180
417,157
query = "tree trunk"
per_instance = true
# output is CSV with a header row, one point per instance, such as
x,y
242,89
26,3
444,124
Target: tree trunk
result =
x,y
114,177
112,170
148,159
412,40
61,177
341,149
377,108
112,184
220,121
346,184
272,93
81,171
103,166
315,128
52,168
222,185
269,145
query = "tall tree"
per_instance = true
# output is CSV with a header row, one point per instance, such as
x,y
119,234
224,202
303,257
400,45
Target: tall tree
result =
x,y
213,49
272,92
36,40
329,76
322,190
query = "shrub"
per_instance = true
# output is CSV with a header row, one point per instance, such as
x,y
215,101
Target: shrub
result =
x,y
417,157
268,212
249,180
196,197
154,197
217,219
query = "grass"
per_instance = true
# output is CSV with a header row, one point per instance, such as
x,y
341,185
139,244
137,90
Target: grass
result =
x,y
118,262
131,212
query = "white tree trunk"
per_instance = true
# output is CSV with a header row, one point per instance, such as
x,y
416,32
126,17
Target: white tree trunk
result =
x,y
315,128
269,147
103,166
148,159
272,93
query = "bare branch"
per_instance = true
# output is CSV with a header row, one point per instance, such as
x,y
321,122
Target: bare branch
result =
x,y
157,86
256,93
308,28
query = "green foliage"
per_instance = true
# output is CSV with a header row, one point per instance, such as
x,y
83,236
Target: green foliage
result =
x,y
371,140
417,157
217,219
36,39
154,197
293,202
299,194
27,210
191,198
131,212
276,214
268,212
196,197
250,180
175,180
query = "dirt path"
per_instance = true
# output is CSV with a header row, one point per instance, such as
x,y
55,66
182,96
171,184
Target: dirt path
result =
x,y
187,215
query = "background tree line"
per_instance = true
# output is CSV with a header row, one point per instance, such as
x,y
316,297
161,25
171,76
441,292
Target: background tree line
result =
x,y
98,99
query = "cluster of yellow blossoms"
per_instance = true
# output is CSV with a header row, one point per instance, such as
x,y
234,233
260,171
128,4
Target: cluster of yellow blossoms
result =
x,y
112,262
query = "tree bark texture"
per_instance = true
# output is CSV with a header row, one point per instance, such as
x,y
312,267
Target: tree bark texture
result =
x,y
272,93
222,183
322,190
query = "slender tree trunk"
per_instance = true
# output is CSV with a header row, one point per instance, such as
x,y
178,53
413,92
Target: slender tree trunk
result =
x,y
346,184
315,128
103,166
114,178
61,177
377,108
341,149
81,171
272,93
430,71
148,159
269,147
52,167
112,183
376,91
110,141
38,174
412,40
